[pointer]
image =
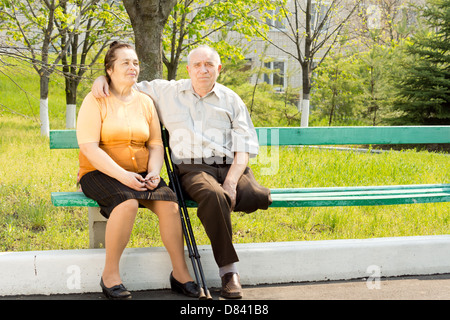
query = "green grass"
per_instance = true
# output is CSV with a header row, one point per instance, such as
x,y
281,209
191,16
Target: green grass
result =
x,y
30,171
309,167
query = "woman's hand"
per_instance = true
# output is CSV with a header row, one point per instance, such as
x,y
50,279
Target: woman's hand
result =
x,y
133,181
152,180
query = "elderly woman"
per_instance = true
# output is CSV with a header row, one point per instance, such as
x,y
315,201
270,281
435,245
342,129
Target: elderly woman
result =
x,y
121,155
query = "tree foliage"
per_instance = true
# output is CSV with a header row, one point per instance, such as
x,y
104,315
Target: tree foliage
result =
x,y
58,35
267,107
338,89
424,87
312,28
32,24
224,25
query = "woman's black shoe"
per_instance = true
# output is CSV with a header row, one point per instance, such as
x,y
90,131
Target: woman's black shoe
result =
x,y
189,289
118,292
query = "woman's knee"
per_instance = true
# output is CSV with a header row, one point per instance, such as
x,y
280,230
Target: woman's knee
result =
x,y
160,207
130,206
169,207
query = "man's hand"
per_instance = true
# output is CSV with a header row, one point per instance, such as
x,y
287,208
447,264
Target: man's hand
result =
x,y
100,88
230,188
237,168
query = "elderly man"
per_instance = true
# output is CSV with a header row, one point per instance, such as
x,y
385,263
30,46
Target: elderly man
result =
x,y
211,138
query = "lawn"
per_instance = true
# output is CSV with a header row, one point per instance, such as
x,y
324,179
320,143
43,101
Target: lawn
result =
x,y
30,171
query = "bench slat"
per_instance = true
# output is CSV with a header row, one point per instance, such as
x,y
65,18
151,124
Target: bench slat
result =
x,y
317,197
360,201
63,139
411,188
361,194
66,139
72,199
353,135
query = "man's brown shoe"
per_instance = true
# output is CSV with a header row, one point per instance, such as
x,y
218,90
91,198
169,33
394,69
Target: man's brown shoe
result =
x,y
231,286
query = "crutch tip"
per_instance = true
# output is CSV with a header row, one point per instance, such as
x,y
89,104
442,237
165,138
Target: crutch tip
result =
x,y
203,296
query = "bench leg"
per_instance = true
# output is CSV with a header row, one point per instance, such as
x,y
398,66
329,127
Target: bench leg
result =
x,y
97,228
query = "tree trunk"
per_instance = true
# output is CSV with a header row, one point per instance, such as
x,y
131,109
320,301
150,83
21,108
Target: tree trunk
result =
x,y
305,112
43,104
306,84
333,106
45,72
172,69
71,101
148,18
178,34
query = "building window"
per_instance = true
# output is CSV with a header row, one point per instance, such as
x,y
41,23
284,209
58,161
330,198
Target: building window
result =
x,y
273,22
277,76
373,13
319,12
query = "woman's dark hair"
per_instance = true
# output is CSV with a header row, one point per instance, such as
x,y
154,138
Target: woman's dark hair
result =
x,y
110,56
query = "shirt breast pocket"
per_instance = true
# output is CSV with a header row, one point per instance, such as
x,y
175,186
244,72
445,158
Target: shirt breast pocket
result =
x,y
179,127
218,124
177,122
178,118
218,131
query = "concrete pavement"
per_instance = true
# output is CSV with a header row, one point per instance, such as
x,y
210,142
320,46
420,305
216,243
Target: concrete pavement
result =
x,y
261,302
303,262
428,287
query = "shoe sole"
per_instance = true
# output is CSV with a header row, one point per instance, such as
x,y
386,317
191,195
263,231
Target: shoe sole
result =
x,y
231,295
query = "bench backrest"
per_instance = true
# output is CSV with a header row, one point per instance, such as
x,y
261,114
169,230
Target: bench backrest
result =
x,y
66,139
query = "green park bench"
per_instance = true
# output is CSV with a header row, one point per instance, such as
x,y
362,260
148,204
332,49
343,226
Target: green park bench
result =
x,y
301,197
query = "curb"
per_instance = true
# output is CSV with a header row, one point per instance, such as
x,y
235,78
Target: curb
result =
x,y
79,271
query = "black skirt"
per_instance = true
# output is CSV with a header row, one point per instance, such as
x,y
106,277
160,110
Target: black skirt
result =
x,y
109,192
